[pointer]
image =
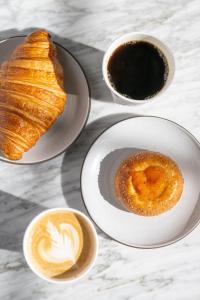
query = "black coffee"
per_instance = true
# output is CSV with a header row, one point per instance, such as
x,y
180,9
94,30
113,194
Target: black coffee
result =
x,y
138,70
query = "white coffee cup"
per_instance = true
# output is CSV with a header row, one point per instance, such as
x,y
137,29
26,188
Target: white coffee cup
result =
x,y
132,37
90,263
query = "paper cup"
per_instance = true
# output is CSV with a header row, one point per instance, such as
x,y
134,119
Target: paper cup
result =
x,y
133,37
91,260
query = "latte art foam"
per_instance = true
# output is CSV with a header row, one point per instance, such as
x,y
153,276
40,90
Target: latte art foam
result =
x,y
64,244
56,243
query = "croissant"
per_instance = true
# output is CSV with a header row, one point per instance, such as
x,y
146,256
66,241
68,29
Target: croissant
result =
x,y
32,95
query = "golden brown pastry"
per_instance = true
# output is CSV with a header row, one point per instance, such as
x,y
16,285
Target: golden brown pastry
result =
x,y
31,94
148,183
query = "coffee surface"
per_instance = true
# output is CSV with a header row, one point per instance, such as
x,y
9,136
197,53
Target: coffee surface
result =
x,y
56,243
138,70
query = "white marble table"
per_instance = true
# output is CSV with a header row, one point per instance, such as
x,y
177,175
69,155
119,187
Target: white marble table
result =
x,y
87,28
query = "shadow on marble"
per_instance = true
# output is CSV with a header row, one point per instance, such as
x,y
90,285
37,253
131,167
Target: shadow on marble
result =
x,y
74,157
108,169
15,215
90,59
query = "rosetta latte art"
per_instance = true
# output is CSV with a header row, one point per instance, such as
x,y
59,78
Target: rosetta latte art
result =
x,y
56,243
64,244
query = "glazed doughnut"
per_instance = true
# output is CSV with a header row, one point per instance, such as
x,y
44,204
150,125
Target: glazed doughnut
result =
x,y
148,183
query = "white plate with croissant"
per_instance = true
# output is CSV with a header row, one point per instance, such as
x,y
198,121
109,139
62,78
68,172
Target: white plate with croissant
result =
x,y
44,99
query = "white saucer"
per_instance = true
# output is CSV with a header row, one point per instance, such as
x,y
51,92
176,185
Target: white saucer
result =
x,y
70,124
115,144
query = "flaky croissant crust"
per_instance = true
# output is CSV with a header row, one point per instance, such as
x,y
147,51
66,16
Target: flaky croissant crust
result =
x,y
32,95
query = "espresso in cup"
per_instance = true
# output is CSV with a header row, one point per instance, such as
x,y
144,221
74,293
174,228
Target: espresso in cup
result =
x,y
60,245
138,70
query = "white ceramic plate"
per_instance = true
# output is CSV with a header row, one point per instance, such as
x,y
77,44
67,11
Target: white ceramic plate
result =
x,y
70,124
114,145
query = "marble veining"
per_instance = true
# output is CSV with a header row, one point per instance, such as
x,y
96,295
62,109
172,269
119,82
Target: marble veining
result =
x,y
87,28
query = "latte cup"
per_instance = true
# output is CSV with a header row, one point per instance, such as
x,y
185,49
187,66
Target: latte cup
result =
x,y
87,259
136,37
